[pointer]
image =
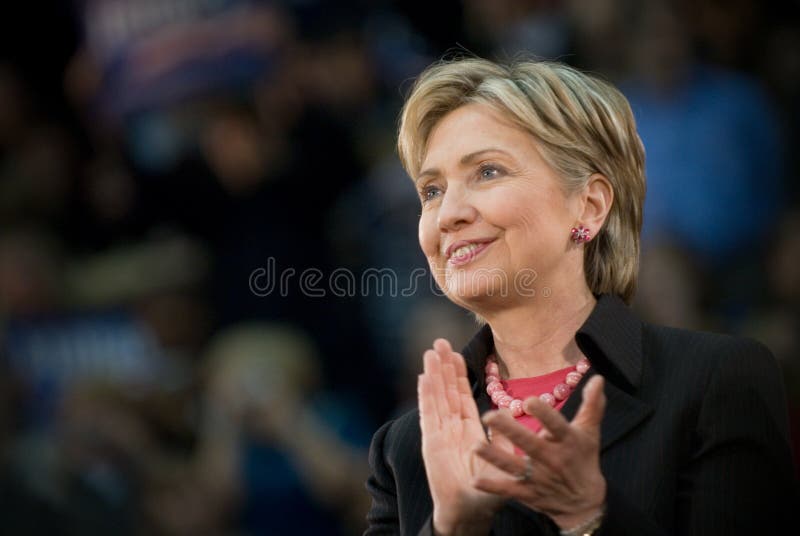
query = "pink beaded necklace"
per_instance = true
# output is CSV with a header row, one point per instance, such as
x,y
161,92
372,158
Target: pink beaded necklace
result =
x,y
504,400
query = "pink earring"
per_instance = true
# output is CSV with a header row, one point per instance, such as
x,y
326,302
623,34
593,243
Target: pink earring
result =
x,y
580,234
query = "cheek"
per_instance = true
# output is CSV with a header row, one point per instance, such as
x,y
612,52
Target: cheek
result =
x,y
428,235
535,215
520,219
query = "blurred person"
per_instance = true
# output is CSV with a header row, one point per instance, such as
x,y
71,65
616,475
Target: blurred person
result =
x,y
68,321
37,174
669,288
600,34
275,453
240,155
728,33
30,272
107,205
371,227
720,200
598,422
120,275
257,175
84,361
338,75
506,28
776,320
87,474
428,319
397,49
106,454
38,155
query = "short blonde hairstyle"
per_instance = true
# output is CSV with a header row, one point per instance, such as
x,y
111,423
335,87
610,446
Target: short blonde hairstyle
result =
x,y
583,126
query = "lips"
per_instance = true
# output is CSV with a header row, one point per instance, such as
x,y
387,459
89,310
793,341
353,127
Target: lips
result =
x,y
463,251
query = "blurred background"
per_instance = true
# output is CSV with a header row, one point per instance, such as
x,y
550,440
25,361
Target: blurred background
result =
x,y
155,153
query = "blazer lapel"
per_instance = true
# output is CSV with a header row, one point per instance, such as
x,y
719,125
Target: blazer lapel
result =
x,y
612,340
623,411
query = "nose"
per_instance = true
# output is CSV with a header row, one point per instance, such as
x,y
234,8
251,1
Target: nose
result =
x,y
455,210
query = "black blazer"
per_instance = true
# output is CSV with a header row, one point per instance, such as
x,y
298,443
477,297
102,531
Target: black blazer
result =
x,y
694,437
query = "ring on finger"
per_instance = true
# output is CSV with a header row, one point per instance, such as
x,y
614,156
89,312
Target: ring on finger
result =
x,y
527,473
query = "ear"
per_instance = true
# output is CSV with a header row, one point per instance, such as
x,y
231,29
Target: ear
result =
x,y
597,197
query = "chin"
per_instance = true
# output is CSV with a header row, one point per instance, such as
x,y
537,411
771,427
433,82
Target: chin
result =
x,y
479,278
466,291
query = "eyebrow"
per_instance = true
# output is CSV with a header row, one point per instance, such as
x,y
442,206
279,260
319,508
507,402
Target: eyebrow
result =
x,y
466,159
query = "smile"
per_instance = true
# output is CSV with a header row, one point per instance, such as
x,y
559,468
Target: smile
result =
x,y
467,253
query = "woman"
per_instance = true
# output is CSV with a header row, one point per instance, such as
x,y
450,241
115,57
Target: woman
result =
x,y
531,182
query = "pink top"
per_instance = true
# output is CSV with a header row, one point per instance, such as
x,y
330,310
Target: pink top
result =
x,y
523,388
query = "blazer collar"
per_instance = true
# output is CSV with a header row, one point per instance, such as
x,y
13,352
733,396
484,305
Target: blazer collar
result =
x,y
611,337
612,340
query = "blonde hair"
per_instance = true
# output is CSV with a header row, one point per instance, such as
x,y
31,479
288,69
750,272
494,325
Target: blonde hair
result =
x,y
583,126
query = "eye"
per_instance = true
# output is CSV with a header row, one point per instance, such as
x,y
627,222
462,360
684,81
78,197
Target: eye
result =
x,y
489,171
429,193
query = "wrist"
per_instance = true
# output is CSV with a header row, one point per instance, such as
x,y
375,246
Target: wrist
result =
x,y
474,526
568,521
592,507
587,527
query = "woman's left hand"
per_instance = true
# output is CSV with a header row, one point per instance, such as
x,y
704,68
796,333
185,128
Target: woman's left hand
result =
x,y
561,476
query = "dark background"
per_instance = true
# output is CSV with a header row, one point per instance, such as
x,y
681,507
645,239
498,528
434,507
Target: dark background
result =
x,y
155,153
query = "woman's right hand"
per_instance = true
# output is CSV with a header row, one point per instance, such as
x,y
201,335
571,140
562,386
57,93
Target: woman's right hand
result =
x,y
451,429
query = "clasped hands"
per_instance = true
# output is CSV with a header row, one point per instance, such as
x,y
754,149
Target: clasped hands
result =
x,y
470,476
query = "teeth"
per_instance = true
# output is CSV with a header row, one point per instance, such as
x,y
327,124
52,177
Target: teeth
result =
x,y
464,250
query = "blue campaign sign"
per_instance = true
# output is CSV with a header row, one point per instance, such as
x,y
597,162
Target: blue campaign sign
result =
x,y
154,53
51,354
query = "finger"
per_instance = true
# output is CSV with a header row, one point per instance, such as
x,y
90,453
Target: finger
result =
x,y
451,388
519,435
499,440
461,365
590,414
463,386
504,460
504,487
466,406
448,372
443,347
469,409
433,371
443,351
551,420
432,365
429,420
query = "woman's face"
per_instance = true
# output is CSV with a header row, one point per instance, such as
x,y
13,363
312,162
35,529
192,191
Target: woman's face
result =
x,y
495,223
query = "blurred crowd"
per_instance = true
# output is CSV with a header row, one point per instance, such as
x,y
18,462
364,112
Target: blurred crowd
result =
x,y
155,153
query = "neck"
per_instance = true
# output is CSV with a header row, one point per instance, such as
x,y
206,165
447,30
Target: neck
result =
x,y
538,337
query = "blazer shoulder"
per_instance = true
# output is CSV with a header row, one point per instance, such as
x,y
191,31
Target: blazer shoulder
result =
x,y
705,344
399,436
706,356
